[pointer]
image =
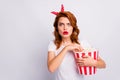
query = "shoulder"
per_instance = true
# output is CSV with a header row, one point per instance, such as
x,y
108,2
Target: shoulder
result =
x,y
51,42
84,43
51,46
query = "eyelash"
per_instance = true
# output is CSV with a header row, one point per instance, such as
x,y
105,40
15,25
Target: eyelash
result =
x,y
69,24
63,24
60,24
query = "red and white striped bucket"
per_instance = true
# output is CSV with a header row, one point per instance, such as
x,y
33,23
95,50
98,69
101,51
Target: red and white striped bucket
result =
x,y
87,70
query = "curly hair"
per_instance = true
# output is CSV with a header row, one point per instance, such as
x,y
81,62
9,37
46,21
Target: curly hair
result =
x,y
73,21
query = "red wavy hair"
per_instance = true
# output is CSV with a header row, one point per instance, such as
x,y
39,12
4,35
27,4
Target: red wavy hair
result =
x,y
73,21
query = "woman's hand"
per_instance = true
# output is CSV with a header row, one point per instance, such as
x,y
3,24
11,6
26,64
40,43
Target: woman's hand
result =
x,y
86,61
74,47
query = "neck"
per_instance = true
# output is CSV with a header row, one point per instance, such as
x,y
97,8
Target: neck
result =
x,y
65,41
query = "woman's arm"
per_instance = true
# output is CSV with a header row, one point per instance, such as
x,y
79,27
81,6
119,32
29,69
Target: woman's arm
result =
x,y
100,63
89,61
54,61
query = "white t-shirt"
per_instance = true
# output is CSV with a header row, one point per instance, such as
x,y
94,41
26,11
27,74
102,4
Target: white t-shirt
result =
x,y
68,68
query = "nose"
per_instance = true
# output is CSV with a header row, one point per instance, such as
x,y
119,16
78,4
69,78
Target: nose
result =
x,y
65,27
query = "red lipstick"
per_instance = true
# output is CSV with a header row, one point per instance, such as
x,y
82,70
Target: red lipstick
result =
x,y
65,32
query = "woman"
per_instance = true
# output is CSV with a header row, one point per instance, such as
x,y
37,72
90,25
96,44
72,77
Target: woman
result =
x,y
60,51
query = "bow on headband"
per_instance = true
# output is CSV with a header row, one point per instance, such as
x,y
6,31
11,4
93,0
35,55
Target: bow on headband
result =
x,y
56,13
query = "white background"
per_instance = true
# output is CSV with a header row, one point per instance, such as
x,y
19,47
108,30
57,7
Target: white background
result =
x,y
26,28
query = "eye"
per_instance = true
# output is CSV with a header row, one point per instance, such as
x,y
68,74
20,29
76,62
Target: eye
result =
x,y
60,24
68,24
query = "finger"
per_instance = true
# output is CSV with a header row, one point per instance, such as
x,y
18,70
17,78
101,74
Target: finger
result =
x,y
79,60
76,50
80,64
81,48
85,56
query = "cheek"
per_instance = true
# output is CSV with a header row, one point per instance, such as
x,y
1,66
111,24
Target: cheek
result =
x,y
60,32
71,30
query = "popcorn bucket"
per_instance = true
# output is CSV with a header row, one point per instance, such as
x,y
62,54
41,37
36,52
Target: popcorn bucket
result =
x,y
87,70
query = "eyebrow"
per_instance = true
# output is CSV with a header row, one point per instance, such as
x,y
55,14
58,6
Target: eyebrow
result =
x,y
65,23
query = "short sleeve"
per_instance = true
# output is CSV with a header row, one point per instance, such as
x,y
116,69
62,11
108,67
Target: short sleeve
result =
x,y
85,44
51,46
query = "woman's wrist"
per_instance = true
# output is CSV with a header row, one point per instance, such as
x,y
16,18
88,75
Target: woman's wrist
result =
x,y
65,49
95,63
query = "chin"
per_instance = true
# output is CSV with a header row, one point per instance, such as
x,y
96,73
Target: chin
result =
x,y
65,36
